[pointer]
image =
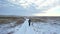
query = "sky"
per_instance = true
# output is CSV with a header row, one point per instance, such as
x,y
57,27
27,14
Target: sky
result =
x,y
30,7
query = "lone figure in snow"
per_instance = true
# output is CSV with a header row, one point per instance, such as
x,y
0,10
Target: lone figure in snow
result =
x,y
29,21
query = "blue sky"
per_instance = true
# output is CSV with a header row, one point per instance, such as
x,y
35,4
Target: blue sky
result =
x,y
28,7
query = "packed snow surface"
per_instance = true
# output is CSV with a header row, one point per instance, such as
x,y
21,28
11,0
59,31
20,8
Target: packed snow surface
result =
x,y
35,28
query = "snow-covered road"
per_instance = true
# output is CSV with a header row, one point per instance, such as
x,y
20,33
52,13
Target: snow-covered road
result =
x,y
36,28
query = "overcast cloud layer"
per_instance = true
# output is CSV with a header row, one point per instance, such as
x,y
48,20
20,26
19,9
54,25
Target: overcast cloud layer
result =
x,y
30,7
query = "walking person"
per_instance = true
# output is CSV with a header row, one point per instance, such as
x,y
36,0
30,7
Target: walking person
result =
x,y
29,22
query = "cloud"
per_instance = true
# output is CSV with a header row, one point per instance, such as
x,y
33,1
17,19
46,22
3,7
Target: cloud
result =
x,y
28,6
39,3
51,12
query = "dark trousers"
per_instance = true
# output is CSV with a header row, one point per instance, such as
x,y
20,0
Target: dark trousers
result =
x,y
29,22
